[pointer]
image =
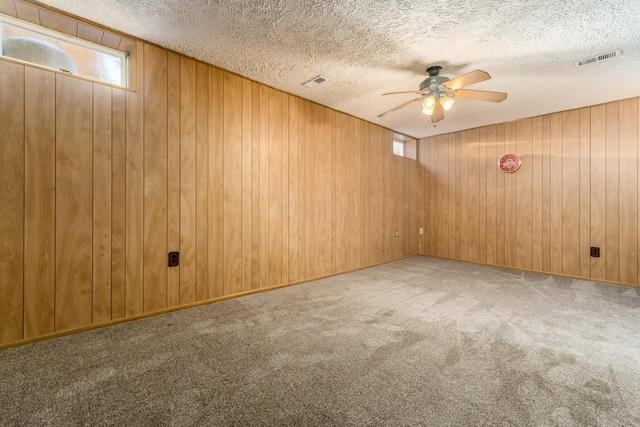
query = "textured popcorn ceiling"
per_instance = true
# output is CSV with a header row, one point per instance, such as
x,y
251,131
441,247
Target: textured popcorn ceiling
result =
x,y
367,47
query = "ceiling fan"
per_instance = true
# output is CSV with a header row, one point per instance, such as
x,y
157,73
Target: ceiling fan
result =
x,y
438,93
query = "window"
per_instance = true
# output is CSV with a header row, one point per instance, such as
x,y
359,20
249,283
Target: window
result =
x,y
404,146
398,148
41,46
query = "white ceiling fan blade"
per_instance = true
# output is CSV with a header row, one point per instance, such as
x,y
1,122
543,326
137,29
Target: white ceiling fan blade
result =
x,y
480,95
438,113
471,78
406,104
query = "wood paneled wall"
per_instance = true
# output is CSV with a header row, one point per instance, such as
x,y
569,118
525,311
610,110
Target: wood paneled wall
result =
x,y
255,188
577,188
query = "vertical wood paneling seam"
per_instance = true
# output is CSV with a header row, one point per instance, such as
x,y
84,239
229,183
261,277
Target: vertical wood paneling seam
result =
x,y
111,91
166,189
288,180
55,199
220,162
618,201
618,185
531,156
93,197
143,163
111,216
24,196
222,182
583,245
268,189
619,195
242,178
207,201
590,186
468,198
126,207
222,174
483,171
561,198
504,202
179,162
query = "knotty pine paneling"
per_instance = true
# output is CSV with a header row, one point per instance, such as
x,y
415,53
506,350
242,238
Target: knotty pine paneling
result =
x,y
256,188
577,188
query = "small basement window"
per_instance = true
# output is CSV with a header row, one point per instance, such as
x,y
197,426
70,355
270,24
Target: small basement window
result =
x,y
41,46
398,148
404,146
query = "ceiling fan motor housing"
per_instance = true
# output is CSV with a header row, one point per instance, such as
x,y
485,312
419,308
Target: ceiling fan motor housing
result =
x,y
433,82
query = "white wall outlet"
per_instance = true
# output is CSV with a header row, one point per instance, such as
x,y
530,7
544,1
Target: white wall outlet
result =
x,y
420,230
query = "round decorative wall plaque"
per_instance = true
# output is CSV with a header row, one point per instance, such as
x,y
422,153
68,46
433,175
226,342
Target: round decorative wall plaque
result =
x,y
509,163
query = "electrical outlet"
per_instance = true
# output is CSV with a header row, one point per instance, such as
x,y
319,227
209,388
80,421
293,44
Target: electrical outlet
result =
x,y
595,251
174,259
397,234
421,231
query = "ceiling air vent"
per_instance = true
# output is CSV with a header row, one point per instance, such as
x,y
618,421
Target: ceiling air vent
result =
x,y
314,81
600,57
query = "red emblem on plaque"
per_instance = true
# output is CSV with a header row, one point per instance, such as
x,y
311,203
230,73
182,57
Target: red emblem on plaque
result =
x,y
509,163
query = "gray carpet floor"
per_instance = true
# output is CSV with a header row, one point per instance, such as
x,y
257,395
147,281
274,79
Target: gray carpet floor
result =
x,y
419,341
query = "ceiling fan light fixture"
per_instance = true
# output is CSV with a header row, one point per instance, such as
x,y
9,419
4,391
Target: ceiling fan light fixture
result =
x,y
447,102
428,105
437,93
